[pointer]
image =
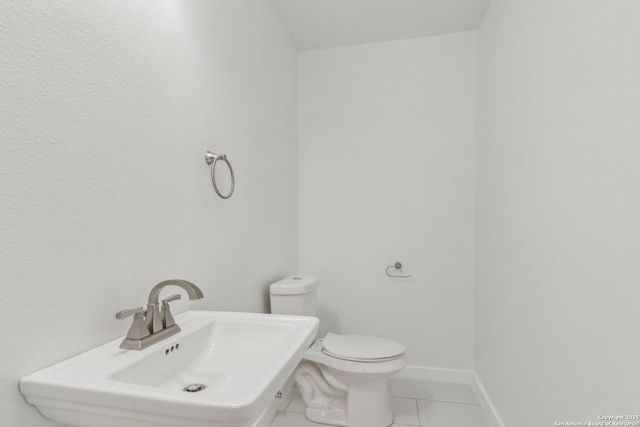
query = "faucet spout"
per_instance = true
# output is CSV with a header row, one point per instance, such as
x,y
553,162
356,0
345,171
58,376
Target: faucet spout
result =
x,y
153,320
193,291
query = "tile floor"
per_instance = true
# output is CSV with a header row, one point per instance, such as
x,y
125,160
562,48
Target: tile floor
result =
x,y
414,403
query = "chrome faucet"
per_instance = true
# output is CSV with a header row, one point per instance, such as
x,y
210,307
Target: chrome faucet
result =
x,y
152,325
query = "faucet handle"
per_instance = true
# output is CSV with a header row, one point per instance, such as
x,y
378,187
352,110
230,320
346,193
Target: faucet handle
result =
x,y
138,329
126,313
165,316
171,298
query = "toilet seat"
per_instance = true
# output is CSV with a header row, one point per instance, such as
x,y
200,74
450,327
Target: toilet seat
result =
x,y
361,348
353,359
317,354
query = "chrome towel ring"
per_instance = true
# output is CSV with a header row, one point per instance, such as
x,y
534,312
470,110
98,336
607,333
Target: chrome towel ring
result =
x,y
213,159
397,266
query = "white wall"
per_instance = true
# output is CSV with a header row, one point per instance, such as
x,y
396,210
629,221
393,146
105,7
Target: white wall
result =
x,y
386,174
106,110
558,213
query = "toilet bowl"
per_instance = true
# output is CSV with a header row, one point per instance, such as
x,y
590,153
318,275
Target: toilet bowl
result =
x,y
342,378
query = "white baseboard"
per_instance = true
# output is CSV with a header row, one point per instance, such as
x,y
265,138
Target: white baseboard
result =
x,y
441,375
486,403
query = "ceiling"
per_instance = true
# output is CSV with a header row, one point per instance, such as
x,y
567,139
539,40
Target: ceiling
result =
x,y
321,24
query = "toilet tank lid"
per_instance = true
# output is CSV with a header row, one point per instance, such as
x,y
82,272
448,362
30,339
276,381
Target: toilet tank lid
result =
x,y
294,285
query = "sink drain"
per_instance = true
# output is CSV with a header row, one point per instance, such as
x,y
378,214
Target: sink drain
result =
x,y
194,388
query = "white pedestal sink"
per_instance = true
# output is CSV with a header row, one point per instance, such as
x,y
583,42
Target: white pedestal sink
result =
x,y
241,358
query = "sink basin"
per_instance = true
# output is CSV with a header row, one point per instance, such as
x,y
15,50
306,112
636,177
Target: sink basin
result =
x,y
242,359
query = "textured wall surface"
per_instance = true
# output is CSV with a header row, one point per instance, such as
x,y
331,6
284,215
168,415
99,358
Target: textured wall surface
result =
x,y
106,110
386,174
558,211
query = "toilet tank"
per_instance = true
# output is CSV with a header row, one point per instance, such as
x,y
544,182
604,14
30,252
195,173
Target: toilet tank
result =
x,y
295,295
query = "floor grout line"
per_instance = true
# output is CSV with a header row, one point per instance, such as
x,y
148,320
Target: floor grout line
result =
x,y
436,400
450,401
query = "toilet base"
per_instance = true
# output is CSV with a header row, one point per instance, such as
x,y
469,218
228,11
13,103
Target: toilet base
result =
x,y
368,405
334,417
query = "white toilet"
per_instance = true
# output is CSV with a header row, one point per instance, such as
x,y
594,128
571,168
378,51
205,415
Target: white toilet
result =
x,y
343,378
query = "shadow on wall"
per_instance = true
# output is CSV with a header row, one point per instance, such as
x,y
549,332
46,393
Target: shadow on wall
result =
x,y
328,320
266,294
